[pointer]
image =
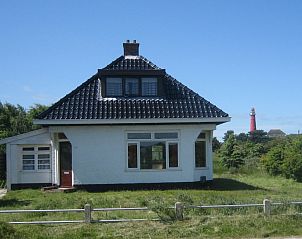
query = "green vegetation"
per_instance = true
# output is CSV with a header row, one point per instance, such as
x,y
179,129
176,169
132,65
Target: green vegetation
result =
x,y
252,151
248,168
16,120
227,188
285,158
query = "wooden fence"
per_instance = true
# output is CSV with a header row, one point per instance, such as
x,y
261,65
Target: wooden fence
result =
x,y
178,207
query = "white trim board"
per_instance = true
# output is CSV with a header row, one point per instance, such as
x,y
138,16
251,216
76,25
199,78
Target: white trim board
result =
x,y
131,121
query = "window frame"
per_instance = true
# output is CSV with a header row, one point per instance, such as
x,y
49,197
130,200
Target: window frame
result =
x,y
107,84
140,84
138,93
150,79
36,152
153,139
198,139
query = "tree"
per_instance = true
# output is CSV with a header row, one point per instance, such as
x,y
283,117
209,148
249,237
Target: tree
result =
x,y
258,136
16,120
242,137
215,144
273,161
231,153
227,135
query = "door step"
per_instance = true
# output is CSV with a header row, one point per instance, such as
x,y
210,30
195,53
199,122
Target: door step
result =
x,y
58,189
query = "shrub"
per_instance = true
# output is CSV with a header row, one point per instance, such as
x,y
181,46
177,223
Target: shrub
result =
x,y
7,231
273,161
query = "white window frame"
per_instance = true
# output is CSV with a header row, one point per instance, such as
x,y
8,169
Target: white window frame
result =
x,y
149,81
152,139
36,152
206,150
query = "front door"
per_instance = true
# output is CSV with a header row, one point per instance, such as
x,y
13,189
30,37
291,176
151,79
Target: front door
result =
x,y
65,158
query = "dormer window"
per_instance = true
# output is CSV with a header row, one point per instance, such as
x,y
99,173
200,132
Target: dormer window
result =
x,y
131,87
114,86
149,86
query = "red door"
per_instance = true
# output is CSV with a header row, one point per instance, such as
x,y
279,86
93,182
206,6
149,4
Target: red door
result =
x,y
65,158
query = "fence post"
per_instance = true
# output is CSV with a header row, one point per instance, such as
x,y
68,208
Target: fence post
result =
x,y
267,207
179,211
87,209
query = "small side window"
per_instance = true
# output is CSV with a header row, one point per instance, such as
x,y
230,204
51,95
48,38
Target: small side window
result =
x,y
132,155
200,154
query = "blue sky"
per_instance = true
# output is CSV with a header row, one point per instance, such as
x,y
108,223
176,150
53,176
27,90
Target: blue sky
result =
x,y
236,54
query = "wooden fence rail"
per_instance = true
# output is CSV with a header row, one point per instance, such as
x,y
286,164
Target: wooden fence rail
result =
x,y
178,207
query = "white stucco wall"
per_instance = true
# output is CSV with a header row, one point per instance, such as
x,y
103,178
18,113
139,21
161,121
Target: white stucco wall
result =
x,y
100,154
15,174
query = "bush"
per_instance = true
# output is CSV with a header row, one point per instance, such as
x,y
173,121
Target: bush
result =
x,y
7,231
285,159
273,161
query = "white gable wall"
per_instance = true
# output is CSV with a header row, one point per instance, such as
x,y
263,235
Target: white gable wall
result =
x,y
15,174
100,154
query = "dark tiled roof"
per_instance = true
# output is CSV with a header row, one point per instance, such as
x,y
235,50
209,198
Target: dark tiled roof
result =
x,y
85,102
136,63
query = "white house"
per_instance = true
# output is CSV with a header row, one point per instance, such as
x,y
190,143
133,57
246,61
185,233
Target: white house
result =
x,y
130,124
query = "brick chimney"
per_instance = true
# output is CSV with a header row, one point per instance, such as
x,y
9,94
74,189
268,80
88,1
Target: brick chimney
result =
x,y
253,120
131,48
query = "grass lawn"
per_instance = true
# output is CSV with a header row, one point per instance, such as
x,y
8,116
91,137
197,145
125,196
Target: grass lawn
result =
x,y
227,223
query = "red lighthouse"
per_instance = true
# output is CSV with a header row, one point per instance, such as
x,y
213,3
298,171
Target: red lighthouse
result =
x,y
253,120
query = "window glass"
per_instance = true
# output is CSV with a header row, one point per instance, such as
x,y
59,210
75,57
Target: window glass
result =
x,y
173,155
173,135
114,87
44,164
149,86
28,148
28,156
132,155
200,154
139,135
36,157
28,165
43,156
152,155
131,86
43,148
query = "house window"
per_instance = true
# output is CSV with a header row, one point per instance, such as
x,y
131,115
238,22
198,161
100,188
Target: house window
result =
x,y
200,151
132,155
35,158
146,151
114,86
149,86
152,155
131,87
173,155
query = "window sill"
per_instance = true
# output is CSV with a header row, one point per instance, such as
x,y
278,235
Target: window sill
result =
x,y
36,171
153,170
202,168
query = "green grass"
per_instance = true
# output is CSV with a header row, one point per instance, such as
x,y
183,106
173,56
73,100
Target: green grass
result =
x,y
227,188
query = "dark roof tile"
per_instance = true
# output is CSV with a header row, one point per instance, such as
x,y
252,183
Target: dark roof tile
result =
x,y
85,102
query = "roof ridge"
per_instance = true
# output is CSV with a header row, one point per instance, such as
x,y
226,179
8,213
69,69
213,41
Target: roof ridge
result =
x,y
122,63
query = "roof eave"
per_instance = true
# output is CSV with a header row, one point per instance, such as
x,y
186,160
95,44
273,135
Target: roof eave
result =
x,y
217,120
22,136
